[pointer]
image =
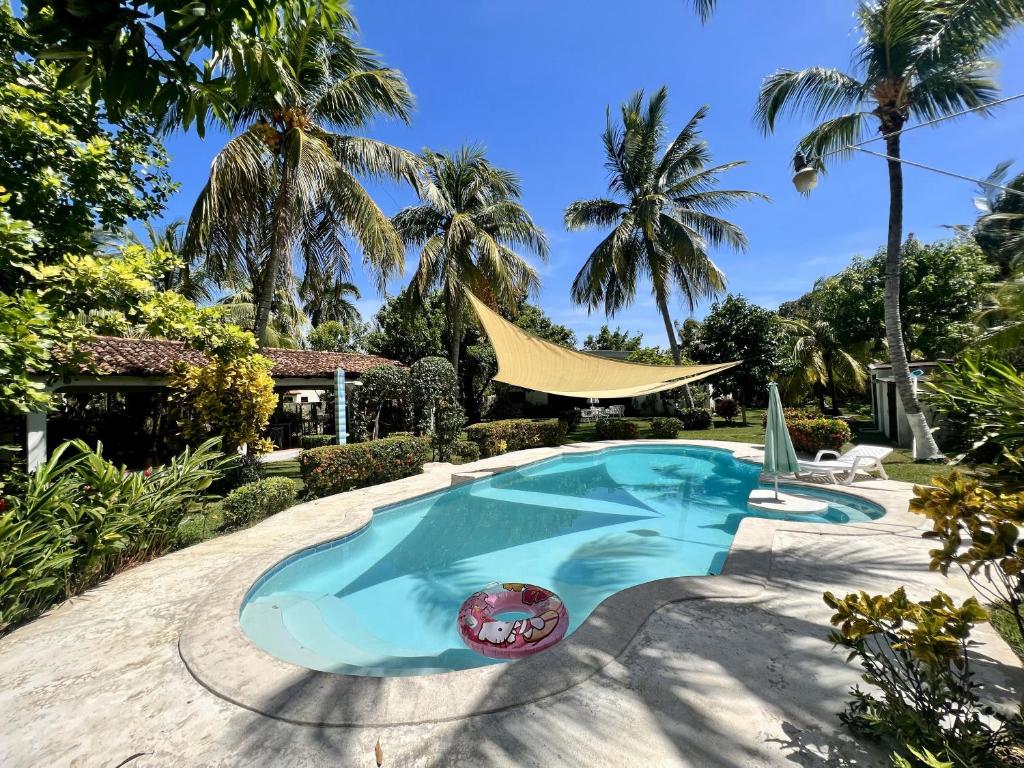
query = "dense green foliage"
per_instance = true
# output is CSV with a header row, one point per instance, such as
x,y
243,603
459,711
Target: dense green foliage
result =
x,y
316,441
183,64
727,408
77,519
915,653
666,427
736,329
381,404
449,419
663,216
339,468
694,418
431,381
253,502
497,437
333,336
616,429
813,435
617,340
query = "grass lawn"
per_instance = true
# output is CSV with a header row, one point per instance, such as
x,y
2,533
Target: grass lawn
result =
x,y
899,464
1003,622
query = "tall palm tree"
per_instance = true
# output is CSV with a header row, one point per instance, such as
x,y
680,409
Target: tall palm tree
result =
x,y
466,230
704,8
287,184
916,60
824,363
325,300
665,217
284,326
999,229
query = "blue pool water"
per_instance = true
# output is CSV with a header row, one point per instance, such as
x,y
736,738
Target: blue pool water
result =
x,y
383,601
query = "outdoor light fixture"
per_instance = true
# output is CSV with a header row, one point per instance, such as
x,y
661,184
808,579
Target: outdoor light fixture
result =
x,y
805,176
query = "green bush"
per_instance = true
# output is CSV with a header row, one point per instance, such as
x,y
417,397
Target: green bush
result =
x,y
795,414
255,501
571,418
465,451
79,519
694,419
449,419
497,437
616,429
317,441
432,380
665,427
340,468
727,408
915,653
813,435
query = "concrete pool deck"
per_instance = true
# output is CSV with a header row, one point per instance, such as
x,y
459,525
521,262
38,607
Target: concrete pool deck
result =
x,y
732,670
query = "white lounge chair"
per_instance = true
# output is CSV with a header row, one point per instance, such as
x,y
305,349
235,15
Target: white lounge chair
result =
x,y
861,459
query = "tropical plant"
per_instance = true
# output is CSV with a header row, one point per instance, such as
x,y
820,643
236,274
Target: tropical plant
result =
x,y
617,340
916,655
187,278
999,229
466,229
332,336
284,326
287,184
449,419
664,219
79,518
168,59
233,399
917,59
330,300
824,364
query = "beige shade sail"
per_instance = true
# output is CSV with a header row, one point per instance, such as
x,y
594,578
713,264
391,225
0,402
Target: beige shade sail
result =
x,y
532,363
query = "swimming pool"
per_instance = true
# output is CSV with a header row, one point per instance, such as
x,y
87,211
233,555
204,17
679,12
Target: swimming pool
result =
x,y
383,601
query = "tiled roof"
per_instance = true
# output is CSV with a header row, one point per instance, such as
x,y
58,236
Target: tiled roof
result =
x,y
113,356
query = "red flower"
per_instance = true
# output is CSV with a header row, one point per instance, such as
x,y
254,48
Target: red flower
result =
x,y
147,472
3,504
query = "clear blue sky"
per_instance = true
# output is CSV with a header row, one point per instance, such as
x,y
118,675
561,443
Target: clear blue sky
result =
x,y
530,80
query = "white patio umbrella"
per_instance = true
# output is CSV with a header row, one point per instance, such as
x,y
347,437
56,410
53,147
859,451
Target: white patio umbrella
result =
x,y
779,454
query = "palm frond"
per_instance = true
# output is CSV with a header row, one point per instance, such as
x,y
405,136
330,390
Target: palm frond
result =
x,y
816,91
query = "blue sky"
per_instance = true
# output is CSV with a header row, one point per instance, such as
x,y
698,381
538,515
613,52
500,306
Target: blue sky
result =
x,y
530,80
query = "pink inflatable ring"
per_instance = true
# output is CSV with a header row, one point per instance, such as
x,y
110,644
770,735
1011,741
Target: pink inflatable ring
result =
x,y
512,639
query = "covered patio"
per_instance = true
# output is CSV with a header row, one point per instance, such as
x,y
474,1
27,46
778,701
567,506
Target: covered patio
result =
x,y
133,366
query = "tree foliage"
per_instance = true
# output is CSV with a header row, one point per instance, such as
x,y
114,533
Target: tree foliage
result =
x,y
617,340
333,336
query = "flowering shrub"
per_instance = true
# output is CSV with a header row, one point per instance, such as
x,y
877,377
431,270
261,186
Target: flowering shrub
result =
x,y
665,427
251,503
813,435
727,408
616,429
795,414
340,468
694,418
497,437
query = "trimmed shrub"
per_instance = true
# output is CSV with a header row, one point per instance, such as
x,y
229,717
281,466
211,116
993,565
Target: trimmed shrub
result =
x,y
317,441
449,419
727,408
694,418
497,437
240,469
616,429
465,451
813,435
251,503
571,418
340,468
795,414
665,427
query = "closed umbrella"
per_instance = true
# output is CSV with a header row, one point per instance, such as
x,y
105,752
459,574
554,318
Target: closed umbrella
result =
x,y
779,455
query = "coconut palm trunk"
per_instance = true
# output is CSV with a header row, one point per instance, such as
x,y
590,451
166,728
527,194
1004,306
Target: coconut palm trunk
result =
x,y
925,446
672,342
278,252
455,331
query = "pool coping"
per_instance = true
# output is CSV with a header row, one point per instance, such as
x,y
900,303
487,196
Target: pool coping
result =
x,y
220,656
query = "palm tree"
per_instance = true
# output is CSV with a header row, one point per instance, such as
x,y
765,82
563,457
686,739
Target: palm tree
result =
x,y
325,300
824,363
466,230
704,8
1000,227
917,60
662,228
288,183
284,326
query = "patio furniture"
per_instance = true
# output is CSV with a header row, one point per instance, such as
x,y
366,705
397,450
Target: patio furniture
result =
x,y
589,414
861,459
617,411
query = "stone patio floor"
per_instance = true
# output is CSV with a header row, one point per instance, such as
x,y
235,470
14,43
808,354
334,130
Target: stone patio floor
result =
x,y
748,682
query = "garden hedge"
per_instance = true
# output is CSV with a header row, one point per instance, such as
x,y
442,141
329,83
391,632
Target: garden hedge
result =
x,y
616,429
340,468
813,435
497,437
795,414
694,419
251,503
317,441
665,427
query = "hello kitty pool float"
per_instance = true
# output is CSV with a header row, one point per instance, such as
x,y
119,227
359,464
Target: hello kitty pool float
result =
x,y
488,636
